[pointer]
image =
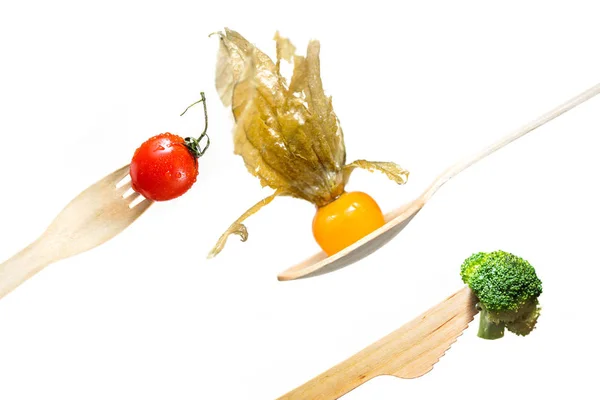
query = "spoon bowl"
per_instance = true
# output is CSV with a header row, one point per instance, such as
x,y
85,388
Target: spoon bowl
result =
x,y
320,264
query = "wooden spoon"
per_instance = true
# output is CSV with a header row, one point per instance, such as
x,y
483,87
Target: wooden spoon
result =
x,y
408,352
398,219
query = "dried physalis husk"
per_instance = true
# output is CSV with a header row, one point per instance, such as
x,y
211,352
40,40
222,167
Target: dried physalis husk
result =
x,y
287,134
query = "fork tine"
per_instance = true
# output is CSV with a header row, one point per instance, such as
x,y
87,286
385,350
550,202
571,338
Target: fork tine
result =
x,y
120,191
119,174
142,205
134,199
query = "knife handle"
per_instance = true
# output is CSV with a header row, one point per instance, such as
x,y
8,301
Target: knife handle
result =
x,y
335,382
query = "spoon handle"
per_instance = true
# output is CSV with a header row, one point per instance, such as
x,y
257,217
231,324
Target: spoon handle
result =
x,y
21,267
525,129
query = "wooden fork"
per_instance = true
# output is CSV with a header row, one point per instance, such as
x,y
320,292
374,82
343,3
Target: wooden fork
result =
x,y
96,215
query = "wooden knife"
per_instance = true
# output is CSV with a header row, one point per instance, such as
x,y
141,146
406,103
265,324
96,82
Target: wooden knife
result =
x,y
409,352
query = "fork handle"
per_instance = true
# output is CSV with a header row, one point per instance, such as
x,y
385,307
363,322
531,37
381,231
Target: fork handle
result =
x,y
21,267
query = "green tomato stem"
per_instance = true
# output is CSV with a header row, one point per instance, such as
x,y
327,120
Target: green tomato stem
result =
x,y
193,144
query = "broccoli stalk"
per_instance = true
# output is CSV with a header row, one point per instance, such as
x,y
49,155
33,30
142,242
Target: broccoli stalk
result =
x,y
487,328
507,288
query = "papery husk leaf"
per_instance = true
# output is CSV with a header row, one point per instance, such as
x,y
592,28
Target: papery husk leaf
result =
x,y
257,142
228,70
285,48
289,138
234,51
300,76
327,130
238,228
392,170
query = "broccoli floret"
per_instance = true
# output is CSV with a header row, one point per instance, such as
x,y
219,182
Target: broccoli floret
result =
x,y
507,288
525,324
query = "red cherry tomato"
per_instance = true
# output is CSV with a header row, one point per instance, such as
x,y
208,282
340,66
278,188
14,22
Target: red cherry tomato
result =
x,y
163,168
166,166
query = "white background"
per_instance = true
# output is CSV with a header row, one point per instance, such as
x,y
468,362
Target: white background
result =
x,y
82,84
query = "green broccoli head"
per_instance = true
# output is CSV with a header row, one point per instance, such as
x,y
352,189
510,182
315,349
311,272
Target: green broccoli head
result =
x,y
507,288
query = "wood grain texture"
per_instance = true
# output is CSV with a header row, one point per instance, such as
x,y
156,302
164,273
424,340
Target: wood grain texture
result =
x,y
320,264
409,352
93,217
